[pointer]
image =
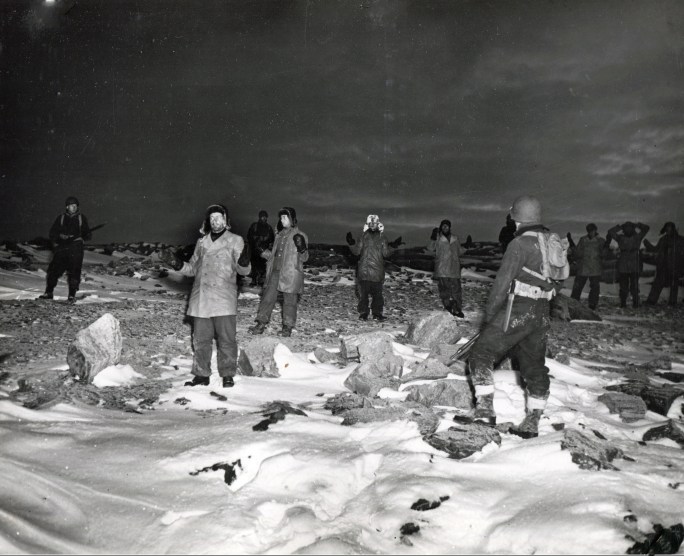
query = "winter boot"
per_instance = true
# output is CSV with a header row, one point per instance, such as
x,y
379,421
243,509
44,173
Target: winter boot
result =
x,y
363,316
228,382
46,295
286,331
484,409
198,381
529,427
379,318
258,328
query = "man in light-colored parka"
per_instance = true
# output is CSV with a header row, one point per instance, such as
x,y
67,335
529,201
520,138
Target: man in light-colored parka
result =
x,y
218,258
284,273
447,272
589,255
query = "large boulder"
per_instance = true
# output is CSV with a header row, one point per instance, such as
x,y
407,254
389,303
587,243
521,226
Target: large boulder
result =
x,y
428,369
95,348
444,392
590,453
432,329
366,347
256,357
425,418
463,440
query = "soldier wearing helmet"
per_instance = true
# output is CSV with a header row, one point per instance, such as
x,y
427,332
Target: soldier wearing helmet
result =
x,y
517,321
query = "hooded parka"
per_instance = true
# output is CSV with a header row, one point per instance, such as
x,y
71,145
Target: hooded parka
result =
x,y
214,266
291,272
372,249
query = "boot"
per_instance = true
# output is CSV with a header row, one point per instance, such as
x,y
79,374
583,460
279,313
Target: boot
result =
x,y
529,427
228,382
286,331
72,295
379,318
258,328
46,295
198,381
363,316
484,409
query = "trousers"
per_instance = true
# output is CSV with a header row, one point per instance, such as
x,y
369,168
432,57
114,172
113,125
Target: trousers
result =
x,y
269,298
203,333
594,289
367,288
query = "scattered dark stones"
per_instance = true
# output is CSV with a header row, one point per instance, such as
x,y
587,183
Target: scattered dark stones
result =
x,y
661,541
219,397
408,529
274,412
229,470
587,453
423,505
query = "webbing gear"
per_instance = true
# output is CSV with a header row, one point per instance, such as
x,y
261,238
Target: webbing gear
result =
x,y
533,292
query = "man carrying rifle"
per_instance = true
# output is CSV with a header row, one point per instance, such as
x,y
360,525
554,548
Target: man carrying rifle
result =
x,y
516,318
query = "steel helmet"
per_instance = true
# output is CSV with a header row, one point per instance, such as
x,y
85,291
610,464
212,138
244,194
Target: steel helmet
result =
x,y
526,210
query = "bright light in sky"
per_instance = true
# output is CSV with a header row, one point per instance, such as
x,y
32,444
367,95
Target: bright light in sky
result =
x,y
49,1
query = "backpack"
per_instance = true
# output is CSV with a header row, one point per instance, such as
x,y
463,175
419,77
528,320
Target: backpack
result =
x,y
554,250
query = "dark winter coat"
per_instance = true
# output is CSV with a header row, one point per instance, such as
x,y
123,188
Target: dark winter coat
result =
x,y
629,260
670,255
69,228
372,249
523,251
589,256
447,256
214,266
260,236
291,277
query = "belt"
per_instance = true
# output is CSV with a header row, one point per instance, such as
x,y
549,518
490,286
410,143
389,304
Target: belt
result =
x,y
533,292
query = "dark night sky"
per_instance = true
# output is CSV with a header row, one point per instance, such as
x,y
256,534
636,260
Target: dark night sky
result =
x,y
150,110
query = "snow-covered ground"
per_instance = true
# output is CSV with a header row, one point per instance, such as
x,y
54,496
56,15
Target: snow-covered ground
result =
x,y
192,476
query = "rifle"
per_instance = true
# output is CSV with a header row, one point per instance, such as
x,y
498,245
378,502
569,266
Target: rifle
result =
x,y
97,227
464,350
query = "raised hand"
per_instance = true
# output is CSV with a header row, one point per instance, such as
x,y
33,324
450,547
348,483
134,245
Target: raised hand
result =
x,y
350,239
300,242
435,233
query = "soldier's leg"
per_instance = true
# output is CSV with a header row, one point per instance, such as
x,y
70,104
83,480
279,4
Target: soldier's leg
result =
x,y
457,293
75,268
623,281
269,298
578,286
634,288
226,345
289,310
378,302
364,291
444,292
202,337
56,268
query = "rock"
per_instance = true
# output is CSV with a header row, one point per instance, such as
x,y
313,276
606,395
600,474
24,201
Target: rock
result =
x,y
566,308
366,347
95,348
256,357
367,379
426,420
588,453
444,392
669,430
432,369
432,329
346,400
463,440
325,356
443,354
661,541
658,398
631,408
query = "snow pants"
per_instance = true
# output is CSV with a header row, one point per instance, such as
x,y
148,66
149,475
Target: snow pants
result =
x,y
203,333
69,259
450,293
367,288
525,338
594,289
269,298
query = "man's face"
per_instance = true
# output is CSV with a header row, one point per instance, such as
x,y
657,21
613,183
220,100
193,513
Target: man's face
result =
x,y
217,222
263,218
628,230
445,228
285,220
592,233
72,208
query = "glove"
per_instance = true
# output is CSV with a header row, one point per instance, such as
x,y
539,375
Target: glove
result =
x,y
300,242
265,254
435,233
244,256
396,243
170,259
569,236
350,239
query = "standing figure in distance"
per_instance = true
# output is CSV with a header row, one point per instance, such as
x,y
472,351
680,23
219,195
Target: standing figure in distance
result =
x,y
517,317
507,233
629,259
284,273
447,251
371,249
669,264
218,258
589,256
260,237
69,230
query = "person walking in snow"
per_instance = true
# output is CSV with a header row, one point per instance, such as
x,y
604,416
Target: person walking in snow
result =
x,y
669,263
284,273
68,233
516,320
629,259
372,248
447,272
588,254
260,237
218,258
